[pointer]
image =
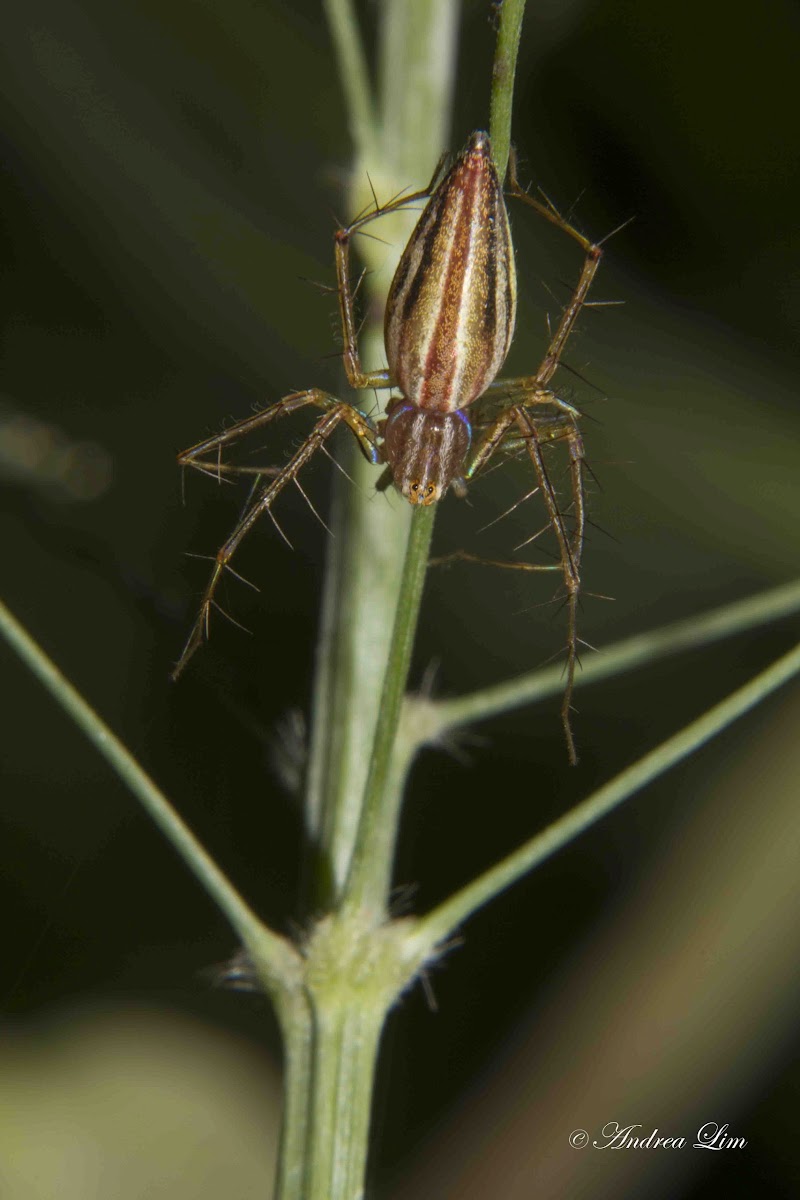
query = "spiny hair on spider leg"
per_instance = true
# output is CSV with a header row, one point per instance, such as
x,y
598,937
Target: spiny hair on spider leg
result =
x,y
318,284
242,578
307,499
512,508
223,612
337,464
601,529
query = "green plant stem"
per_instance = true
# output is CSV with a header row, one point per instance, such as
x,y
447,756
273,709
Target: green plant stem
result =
x,y
503,72
353,72
363,576
278,959
439,924
354,973
346,1036
297,1026
417,61
370,876
437,717
362,582
366,555
330,1070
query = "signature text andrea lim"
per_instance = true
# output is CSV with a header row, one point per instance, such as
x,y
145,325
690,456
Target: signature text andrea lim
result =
x,y
614,1136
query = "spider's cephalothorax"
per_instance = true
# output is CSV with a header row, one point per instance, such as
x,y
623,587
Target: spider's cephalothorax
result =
x,y
448,326
425,449
449,323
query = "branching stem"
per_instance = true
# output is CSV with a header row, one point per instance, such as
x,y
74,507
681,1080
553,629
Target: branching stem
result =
x,y
278,959
626,655
438,925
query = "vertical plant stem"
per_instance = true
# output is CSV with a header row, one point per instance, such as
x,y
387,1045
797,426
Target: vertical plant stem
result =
x,y
362,582
353,73
416,75
375,576
297,1032
503,72
345,1052
324,1145
370,876
331,1046
367,552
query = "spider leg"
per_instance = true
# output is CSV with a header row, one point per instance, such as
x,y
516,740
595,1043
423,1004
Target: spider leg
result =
x,y
491,440
517,425
570,546
561,428
535,432
593,252
360,424
336,412
357,377
464,556
524,394
195,456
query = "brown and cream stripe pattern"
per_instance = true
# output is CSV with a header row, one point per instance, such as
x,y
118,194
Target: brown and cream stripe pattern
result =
x,y
452,304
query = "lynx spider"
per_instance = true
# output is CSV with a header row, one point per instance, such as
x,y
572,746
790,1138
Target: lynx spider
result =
x,y
448,326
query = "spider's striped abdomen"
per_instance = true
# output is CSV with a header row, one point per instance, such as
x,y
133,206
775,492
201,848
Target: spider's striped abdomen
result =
x,y
452,303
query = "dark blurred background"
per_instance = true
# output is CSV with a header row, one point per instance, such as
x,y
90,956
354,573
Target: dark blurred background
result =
x,y
170,171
